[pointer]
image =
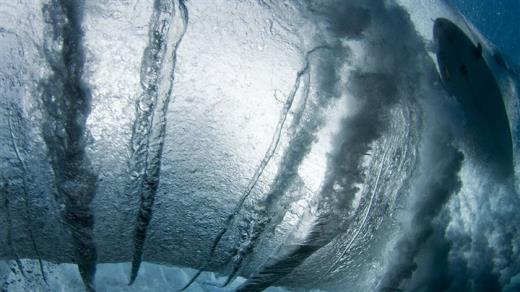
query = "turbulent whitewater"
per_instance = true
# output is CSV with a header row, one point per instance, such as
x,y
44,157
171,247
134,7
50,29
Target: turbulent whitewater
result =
x,y
324,145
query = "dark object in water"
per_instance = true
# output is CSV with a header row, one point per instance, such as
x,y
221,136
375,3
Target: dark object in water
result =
x,y
467,76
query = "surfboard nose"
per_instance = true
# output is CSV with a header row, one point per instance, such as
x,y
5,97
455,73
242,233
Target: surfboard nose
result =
x,y
440,27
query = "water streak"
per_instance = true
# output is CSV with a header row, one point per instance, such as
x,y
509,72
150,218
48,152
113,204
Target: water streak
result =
x,y
157,77
66,103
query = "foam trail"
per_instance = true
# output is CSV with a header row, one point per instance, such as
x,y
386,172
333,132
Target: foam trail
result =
x,y
66,104
433,193
298,147
273,208
26,194
150,125
374,191
353,143
267,209
260,169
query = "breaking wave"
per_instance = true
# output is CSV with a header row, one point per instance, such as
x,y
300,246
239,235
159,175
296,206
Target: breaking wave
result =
x,y
245,145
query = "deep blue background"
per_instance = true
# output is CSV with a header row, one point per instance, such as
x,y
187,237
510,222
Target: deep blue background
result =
x,y
498,20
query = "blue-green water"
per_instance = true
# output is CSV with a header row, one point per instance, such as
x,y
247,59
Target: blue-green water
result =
x,y
497,20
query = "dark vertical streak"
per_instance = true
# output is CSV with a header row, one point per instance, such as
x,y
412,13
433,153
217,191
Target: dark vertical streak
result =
x,y
432,197
26,195
66,101
150,125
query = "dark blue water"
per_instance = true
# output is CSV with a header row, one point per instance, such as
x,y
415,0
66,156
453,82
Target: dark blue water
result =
x,y
498,20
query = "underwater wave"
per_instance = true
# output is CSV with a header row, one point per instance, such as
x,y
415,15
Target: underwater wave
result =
x,y
245,145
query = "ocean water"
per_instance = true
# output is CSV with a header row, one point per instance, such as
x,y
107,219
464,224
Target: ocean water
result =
x,y
231,145
497,20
